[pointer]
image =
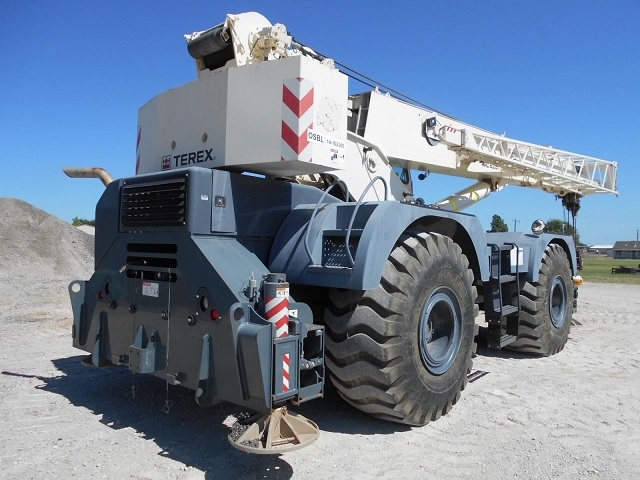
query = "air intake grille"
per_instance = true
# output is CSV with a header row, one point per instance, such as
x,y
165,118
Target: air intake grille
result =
x,y
158,204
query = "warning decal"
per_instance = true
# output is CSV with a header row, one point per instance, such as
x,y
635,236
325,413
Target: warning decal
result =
x,y
150,289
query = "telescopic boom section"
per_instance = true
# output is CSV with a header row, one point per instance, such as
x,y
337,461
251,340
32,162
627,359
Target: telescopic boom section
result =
x,y
419,139
528,164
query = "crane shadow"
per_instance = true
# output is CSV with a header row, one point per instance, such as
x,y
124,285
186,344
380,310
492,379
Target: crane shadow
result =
x,y
185,432
170,417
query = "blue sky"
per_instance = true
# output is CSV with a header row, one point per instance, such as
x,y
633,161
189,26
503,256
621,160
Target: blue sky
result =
x,y
563,73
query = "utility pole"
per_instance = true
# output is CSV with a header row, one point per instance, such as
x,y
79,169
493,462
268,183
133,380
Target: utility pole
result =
x,y
515,221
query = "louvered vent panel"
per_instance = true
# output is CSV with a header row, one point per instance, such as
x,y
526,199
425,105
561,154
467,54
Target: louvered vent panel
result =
x,y
158,204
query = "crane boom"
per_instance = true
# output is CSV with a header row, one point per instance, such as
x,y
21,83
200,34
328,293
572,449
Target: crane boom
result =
x,y
420,139
528,164
304,125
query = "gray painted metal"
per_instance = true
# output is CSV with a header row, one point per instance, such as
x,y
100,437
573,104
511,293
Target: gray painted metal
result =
x,y
377,225
144,306
177,299
533,246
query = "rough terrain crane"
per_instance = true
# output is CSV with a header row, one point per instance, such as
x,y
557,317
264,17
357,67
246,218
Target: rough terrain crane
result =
x,y
272,220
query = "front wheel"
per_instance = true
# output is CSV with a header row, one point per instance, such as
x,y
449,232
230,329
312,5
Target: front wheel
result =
x,y
547,306
402,351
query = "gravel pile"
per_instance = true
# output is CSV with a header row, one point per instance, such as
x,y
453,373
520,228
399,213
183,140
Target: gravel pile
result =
x,y
38,251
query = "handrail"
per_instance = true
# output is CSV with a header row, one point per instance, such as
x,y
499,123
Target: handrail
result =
x,y
358,138
355,210
315,211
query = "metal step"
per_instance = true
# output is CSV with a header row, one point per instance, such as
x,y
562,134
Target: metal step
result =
x,y
506,340
509,309
492,341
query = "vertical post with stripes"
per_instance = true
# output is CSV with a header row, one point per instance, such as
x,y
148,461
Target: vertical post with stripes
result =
x,y
276,306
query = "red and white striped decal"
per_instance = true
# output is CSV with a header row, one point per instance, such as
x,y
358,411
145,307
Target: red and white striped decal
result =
x,y
277,312
285,372
297,119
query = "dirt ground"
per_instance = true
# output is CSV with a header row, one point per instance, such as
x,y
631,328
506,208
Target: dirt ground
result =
x,y
575,415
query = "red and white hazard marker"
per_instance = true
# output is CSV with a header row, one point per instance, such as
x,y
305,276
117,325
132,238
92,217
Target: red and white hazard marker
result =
x,y
297,119
277,312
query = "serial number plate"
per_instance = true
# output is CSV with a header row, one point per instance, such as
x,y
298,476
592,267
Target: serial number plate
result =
x,y
150,289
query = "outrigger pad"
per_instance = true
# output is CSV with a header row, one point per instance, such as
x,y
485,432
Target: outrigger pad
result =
x,y
281,431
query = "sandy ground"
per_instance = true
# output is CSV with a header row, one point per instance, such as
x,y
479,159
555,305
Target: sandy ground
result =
x,y
574,415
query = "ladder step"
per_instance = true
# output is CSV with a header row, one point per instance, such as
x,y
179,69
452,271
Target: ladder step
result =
x,y
494,340
506,340
507,278
509,309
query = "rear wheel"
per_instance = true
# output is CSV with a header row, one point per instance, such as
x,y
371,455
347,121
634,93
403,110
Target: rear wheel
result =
x,y
547,306
402,351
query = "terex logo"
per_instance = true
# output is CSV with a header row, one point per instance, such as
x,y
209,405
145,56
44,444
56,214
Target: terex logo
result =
x,y
185,159
166,162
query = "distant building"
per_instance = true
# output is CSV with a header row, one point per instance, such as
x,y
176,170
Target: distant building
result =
x,y
626,250
602,249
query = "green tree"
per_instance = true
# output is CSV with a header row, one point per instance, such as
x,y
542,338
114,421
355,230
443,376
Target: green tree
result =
x,y
76,222
498,224
561,227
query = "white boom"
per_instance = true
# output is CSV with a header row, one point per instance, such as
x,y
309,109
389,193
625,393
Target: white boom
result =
x,y
418,139
266,104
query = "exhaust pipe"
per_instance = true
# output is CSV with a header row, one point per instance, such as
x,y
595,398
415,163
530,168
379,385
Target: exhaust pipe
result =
x,y
89,172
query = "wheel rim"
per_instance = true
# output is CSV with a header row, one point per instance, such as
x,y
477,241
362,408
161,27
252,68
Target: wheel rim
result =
x,y
558,302
440,330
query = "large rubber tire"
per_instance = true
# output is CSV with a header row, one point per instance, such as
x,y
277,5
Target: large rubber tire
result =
x,y
547,306
402,351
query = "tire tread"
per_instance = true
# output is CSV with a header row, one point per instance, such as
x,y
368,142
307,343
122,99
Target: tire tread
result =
x,y
365,347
